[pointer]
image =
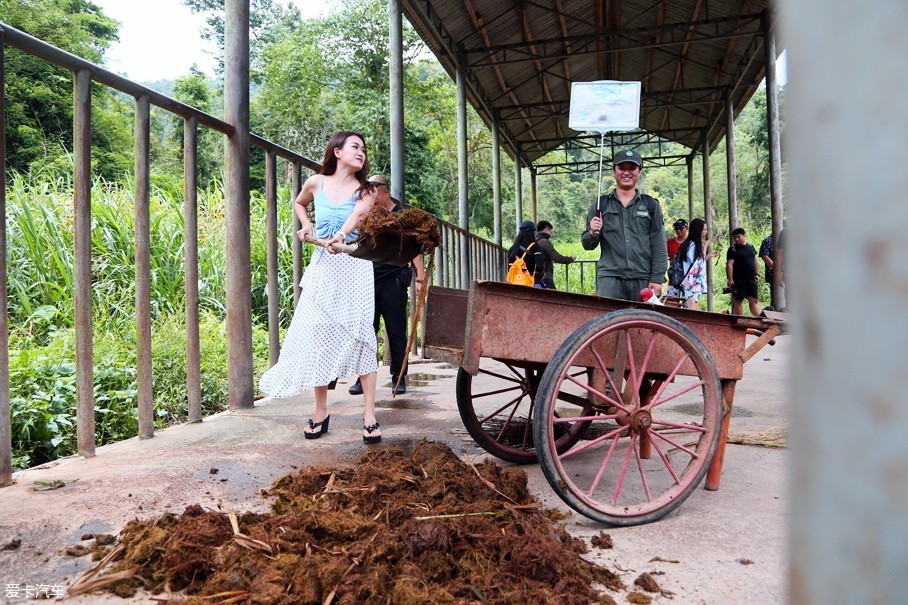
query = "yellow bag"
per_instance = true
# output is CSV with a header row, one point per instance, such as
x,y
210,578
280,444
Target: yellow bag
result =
x,y
518,273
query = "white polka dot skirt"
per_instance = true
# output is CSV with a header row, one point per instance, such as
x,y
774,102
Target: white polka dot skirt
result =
x,y
331,334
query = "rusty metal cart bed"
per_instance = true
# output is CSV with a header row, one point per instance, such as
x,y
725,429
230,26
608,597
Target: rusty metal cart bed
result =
x,y
625,405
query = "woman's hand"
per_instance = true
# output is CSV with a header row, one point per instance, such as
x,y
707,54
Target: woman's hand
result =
x,y
337,238
305,234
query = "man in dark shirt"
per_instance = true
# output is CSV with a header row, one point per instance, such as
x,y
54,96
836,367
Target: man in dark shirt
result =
x,y
627,226
391,288
549,255
741,270
766,257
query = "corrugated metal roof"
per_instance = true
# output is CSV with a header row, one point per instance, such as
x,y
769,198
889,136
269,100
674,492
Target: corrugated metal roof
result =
x,y
522,56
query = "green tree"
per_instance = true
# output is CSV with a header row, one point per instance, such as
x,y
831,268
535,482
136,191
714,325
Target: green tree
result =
x,y
193,90
39,94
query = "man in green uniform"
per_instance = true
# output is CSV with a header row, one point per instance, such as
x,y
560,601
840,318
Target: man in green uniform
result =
x,y
627,225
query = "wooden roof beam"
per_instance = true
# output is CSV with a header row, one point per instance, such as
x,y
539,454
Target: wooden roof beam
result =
x,y
683,55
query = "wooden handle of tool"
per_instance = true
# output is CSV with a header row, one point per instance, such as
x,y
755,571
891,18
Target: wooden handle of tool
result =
x,y
420,299
323,243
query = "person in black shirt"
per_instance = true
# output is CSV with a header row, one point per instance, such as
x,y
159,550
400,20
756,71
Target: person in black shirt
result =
x,y
741,271
549,255
391,293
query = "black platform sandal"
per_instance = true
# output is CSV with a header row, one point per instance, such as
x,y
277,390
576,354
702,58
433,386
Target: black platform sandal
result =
x,y
315,425
370,438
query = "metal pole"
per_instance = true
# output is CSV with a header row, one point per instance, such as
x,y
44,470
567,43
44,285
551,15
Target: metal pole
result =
x,y
143,271
296,185
6,443
708,209
191,266
775,143
395,48
730,164
239,296
847,415
496,178
518,191
274,342
690,187
463,210
533,194
85,407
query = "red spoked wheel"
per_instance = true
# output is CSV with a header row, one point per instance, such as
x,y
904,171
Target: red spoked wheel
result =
x,y
658,422
497,409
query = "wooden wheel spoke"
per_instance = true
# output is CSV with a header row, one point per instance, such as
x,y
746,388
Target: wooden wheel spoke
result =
x,y
615,433
623,474
657,402
632,379
499,391
518,379
514,402
664,457
674,443
603,466
668,380
649,498
679,425
618,404
647,356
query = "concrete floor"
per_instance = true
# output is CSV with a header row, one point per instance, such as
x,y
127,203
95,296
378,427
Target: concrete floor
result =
x,y
727,546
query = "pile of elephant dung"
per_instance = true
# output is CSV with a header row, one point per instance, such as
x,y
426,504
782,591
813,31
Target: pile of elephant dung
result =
x,y
429,528
396,237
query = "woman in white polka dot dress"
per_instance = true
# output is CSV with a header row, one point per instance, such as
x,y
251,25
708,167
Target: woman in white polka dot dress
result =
x,y
331,334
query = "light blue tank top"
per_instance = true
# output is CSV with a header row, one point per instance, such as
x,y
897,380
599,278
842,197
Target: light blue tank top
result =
x,y
329,218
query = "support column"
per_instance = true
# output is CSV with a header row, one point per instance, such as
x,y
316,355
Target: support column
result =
x,y
191,267
6,441
730,165
274,297
775,142
690,187
496,177
708,209
85,406
533,195
395,48
143,270
239,287
518,191
848,417
463,210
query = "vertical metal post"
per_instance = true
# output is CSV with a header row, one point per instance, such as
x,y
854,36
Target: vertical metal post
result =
x,y
690,187
143,271
730,165
533,195
848,417
708,209
274,343
85,407
6,443
496,177
518,191
462,192
775,142
296,185
191,266
239,296
396,60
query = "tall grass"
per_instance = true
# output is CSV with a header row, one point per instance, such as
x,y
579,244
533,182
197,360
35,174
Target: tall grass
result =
x,y
40,261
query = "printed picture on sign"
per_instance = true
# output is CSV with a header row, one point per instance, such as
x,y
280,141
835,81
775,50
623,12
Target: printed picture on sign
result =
x,y
605,106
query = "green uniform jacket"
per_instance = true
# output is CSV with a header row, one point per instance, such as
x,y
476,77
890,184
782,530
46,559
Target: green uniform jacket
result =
x,y
632,238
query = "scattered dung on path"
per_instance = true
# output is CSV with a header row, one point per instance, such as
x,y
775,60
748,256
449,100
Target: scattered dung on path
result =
x,y
428,528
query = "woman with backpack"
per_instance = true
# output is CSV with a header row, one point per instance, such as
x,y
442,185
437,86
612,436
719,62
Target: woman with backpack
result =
x,y
524,247
693,252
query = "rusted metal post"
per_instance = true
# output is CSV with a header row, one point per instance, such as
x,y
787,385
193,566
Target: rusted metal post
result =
x,y
730,164
533,195
518,193
6,444
143,271
85,407
239,287
396,85
191,266
708,209
462,191
775,138
496,177
714,476
274,342
690,186
296,180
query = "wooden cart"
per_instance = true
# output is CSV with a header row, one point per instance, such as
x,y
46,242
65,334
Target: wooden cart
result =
x,y
625,405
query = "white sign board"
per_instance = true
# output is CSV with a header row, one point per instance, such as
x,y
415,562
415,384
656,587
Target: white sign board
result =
x,y
605,106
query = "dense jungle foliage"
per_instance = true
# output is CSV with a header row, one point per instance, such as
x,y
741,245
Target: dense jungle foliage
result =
x,y
310,78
